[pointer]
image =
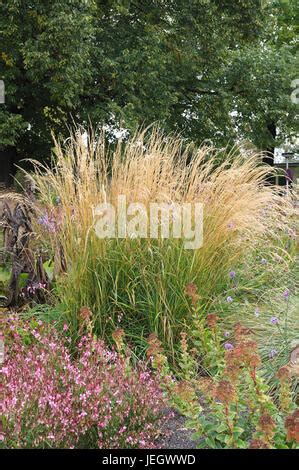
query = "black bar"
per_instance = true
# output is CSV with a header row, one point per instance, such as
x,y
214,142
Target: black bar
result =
x,y
148,459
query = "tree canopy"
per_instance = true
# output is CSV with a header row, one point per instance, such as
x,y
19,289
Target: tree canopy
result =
x,y
212,70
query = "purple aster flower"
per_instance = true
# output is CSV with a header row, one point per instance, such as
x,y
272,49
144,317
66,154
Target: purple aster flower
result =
x,y
286,294
43,219
228,346
229,299
274,320
257,312
227,334
232,274
272,353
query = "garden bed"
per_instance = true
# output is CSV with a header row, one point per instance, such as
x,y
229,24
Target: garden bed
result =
x,y
137,342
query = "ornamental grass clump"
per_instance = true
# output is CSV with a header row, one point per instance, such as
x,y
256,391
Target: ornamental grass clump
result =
x,y
142,281
94,398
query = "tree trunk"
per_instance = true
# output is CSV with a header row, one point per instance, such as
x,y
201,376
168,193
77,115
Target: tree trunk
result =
x,y
7,168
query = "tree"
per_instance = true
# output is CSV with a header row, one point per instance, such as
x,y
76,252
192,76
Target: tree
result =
x,y
260,76
44,56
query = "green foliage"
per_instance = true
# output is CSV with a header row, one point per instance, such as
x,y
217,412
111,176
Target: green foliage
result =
x,y
44,60
11,125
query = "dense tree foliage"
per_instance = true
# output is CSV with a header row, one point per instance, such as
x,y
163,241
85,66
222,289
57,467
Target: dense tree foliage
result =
x,y
210,69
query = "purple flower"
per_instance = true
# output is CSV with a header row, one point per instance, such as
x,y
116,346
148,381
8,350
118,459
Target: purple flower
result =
x,y
227,334
228,346
231,225
286,294
257,312
42,220
274,320
229,299
272,353
232,274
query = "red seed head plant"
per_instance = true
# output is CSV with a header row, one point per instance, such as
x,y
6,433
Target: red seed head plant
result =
x,y
225,392
212,319
292,426
284,375
156,354
267,426
191,291
51,398
118,337
258,444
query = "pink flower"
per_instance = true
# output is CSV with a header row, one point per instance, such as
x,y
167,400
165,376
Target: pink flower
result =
x,y
59,399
